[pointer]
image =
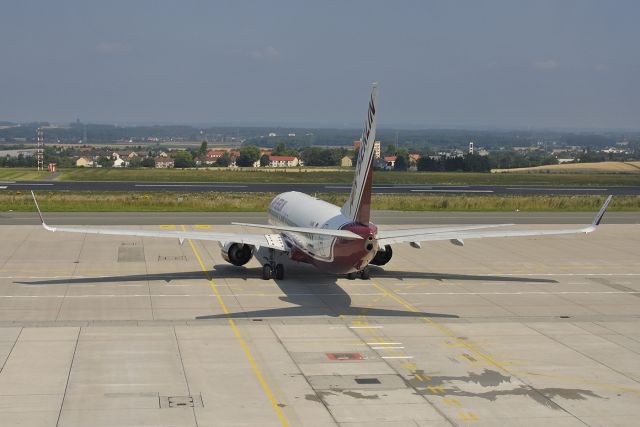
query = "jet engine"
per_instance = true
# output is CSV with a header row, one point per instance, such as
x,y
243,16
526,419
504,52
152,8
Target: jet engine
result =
x,y
237,253
383,256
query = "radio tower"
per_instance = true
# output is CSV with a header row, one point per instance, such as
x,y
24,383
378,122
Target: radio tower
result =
x,y
40,150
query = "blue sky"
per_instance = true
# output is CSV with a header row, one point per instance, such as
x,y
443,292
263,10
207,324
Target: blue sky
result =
x,y
566,64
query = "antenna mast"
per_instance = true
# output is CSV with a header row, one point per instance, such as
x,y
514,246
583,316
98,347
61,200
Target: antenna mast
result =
x,y
40,149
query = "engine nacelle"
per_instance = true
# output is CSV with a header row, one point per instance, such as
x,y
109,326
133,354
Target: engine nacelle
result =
x,y
383,256
237,253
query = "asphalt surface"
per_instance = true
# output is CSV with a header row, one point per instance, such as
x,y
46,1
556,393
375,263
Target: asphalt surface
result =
x,y
378,217
313,188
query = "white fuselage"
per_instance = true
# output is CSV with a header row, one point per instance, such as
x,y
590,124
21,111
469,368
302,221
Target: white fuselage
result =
x,y
301,210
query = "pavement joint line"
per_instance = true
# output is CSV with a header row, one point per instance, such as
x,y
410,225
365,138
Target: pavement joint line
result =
x,y
66,385
239,337
386,347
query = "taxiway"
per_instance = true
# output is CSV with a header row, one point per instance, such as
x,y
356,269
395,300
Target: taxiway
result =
x,y
99,330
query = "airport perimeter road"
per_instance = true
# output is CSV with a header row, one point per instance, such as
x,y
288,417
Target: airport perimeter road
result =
x,y
378,217
312,188
123,331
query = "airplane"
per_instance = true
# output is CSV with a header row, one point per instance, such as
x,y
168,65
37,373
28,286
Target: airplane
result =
x,y
338,240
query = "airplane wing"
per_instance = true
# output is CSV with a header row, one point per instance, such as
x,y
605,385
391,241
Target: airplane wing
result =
x,y
257,239
457,235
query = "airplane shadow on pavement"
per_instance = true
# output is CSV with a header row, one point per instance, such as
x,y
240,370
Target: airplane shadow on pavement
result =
x,y
310,292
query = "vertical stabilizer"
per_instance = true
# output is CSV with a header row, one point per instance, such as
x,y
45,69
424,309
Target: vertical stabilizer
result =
x,y
358,205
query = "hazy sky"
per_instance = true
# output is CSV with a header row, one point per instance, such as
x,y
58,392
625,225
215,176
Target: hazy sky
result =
x,y
439,63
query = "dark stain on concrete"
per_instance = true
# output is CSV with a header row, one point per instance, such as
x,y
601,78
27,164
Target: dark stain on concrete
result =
x,y
541,395
491,378
360,395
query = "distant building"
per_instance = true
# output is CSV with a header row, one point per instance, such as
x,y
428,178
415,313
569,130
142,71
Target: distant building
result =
x,y
164,162
26,152
471,147
210,158
283,161
390,162
216,154
567,160
346,162
84,162
272,134
292,135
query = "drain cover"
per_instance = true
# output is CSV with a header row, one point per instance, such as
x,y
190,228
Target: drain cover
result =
x,y
181,401
367,381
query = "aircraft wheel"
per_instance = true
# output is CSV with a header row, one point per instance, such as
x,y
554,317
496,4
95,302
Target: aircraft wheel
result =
x,y
351,276
365,274
279,272
267,272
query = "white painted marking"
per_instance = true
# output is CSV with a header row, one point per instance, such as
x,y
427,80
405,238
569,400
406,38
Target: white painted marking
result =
x,y
345,187
191,185
7,182
385,348
383,343
556,189
521,293
397,357
3,187
567,274
454,191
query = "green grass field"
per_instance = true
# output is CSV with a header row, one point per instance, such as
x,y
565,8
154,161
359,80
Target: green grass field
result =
x,y
237,202
339,177
21,174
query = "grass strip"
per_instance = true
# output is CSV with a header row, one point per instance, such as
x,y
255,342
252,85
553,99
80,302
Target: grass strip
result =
x,y
346,177
21,174
62,201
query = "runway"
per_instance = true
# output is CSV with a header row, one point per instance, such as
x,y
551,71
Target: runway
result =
x,y
103,330
313,188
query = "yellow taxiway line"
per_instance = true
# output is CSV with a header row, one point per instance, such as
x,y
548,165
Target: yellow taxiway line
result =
x,y
238,335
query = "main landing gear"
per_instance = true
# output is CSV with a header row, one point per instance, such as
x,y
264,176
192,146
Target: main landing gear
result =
x,y
271,272
364,274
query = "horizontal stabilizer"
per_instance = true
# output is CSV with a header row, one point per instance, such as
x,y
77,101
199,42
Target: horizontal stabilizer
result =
x,y
345,234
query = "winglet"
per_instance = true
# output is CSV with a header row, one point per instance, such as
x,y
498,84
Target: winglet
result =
x,y
40,213
599,215
37,207
603,209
